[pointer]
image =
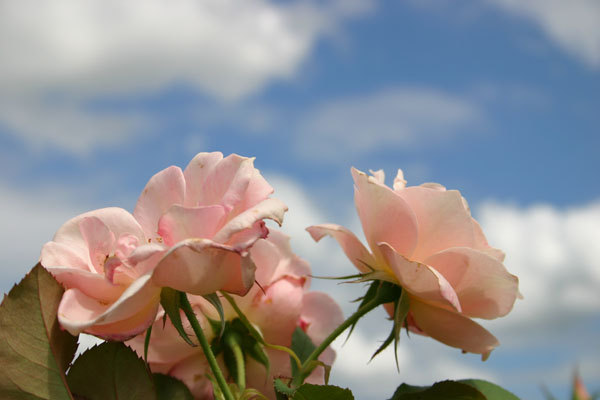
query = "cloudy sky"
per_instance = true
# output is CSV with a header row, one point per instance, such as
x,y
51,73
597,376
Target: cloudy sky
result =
x,y
497,98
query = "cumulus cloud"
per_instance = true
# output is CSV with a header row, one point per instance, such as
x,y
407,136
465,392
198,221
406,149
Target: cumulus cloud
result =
x,y
574,25
60,55
398,116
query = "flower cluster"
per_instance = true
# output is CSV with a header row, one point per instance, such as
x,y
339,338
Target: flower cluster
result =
x,y
200,235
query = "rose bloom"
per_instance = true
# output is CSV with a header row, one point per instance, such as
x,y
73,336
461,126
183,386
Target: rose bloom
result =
x,y
191,230
424,239
276,312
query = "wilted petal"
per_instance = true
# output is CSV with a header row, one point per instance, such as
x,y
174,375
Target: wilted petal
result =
x,y
452,328
162,191
420,279
484,287
384,215
354,249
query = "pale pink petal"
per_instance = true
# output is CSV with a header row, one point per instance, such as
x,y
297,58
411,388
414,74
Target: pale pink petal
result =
x,y
354,249
90,283
117,220
484,287
452,328
196,173
258,190
266,257
420,279
59,254
290,265
180,223
99,239
201,266
481,243
162,191
132,313
194,371
256,374
241,274
244,239
225,183
277,311
442,219
384,215
320,315
267,209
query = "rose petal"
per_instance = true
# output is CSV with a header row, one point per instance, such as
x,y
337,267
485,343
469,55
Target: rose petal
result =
x,y
321,314
57,254
384,215
90,283
354,249
196,174
132,313
442,220
267,209
180,223
201,266
420,279
484,287
275,259
481,243
162,191
452,328
277,311
99,239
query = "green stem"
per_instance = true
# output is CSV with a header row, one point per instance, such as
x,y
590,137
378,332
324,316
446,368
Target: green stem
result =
x,y
210,357
333,335
232,341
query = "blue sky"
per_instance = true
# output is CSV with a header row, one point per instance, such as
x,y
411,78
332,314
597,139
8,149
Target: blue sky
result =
x,y
497,98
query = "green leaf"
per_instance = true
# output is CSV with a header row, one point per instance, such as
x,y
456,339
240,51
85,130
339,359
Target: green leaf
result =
x,y
169,388
448,390
34,351
147,342
302,346
490,390
251,329
216,302
322,392
384,345
110,371
400,313
170,300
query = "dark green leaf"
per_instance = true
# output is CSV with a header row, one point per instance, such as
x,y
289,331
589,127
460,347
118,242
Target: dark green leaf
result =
x,y
322,392
490,390
169,388
34,351
400,313
448,390
110,371
384,345
147,342
170,300
302,346
216,302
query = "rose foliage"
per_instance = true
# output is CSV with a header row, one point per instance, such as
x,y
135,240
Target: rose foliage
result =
x,y
209,303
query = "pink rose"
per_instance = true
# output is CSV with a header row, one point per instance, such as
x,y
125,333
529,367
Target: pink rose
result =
x,y
103,260
424,239
284,305
208,215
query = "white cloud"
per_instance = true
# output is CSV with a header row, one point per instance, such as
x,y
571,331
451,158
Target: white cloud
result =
x,y
30,218
58,55
555,254
574,25
398,117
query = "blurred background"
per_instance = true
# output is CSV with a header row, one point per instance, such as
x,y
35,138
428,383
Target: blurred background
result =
x,y
497,98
